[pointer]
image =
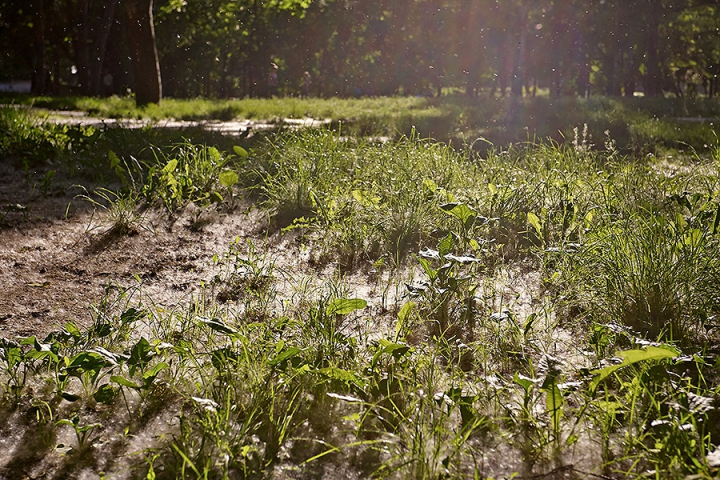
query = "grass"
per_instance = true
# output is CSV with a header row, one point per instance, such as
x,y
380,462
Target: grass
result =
x,y
640,125
605,364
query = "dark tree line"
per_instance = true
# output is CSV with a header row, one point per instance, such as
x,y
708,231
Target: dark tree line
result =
x,y
225,48
74,46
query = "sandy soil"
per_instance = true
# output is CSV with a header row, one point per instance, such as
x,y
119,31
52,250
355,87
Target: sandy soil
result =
x,y
57,257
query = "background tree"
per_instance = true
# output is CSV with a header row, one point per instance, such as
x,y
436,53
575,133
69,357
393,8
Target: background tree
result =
x,y
141,37
224,48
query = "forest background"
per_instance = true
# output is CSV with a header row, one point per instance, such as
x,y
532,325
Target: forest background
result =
x,y
226,48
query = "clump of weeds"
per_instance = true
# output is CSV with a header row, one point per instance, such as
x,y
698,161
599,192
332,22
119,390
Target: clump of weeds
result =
x,y
190,173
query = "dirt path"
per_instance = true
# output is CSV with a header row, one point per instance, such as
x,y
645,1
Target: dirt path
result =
x,y
233,127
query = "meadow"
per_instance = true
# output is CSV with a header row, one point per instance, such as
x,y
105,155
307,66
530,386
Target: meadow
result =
x,y
426,288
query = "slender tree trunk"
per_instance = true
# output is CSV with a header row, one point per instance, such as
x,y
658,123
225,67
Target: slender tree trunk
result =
x,y
83,48
612,58
141,39
39,77
559,44
653,78
98,46
518,75
581,63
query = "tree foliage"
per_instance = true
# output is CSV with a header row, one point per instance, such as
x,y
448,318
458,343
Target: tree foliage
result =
x,y
226,48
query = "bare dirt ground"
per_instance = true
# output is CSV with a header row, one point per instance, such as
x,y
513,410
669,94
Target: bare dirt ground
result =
x,y
57,259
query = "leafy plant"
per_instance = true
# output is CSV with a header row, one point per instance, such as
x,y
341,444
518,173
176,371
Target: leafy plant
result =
x,y
83,433
188,173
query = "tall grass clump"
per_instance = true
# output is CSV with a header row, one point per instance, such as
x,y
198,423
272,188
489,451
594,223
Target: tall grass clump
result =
x,y
646,259
537,197
654,274
368,199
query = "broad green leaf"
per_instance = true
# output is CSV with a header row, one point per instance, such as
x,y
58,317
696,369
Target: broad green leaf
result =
x,y
122,381
535,222
141,353
342,375
103,330
214,155
105,394
283,356
430,185
397,350
85,362
228,178
402,318
114,161
90,426
428,269
460,211
240,152
64,421
70,397
215,197
132,315
529,323
41,347
11,351
693,238
41,351
446,245
633,356
365,199
150,375
344,306
526,383
554,402
170,166
72,329
649,353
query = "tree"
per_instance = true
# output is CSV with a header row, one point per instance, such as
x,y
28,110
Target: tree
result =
x,y
96,21
141,36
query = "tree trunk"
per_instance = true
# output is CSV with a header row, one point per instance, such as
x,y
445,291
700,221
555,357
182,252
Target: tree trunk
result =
x,y
560,46
612,58
518,75
582,85
39,77
141,39
82,48
653,78
98,46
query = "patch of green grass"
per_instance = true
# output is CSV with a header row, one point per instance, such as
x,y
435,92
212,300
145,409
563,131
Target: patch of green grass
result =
x,y
370,199
654,272
554,301
637,124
